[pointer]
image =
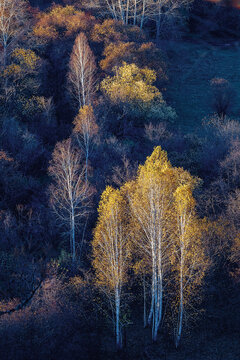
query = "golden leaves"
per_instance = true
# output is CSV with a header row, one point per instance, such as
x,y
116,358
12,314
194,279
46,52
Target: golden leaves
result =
x,y
131,84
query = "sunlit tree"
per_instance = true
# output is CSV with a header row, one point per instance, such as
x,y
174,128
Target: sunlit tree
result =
x,y
189,260
151,203
82,72
111,253
132,88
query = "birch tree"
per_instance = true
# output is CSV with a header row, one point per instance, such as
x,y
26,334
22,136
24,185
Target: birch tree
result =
x,y
151,202
12,23
128,11
111,254
82,72
85,130
164,11
190,262
69,194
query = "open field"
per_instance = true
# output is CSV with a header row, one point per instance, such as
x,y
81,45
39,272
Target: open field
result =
x,y
191,66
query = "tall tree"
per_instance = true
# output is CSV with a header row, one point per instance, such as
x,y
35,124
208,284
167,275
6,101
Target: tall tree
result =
x,y
12,22
82,72
189,259
69,193
151,202
111,253
128,11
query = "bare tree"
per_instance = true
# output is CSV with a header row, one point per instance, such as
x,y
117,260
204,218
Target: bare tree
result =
x,y
223,96
136,12
69,193
128,11
82,72
12,23
164,11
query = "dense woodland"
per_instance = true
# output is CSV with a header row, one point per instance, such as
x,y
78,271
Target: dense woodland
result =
x,y
120,180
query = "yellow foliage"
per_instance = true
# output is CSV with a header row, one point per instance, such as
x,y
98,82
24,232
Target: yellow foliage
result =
x,y
24,61
26,58
110,243
131,84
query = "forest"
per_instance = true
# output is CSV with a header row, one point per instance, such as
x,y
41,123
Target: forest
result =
x,y
119,180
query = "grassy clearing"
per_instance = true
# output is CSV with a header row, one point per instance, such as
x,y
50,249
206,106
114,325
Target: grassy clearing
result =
x,y
191,67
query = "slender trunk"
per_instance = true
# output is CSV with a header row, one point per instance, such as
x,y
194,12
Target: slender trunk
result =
x,y
73,236
135,13
160,301
151,308
118,327
143,14
86,172
180,315
4,56
153,288
144,303
154,331
127,11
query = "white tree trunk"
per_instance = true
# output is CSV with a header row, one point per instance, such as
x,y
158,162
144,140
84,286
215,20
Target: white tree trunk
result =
x,y
180,315
118,326
73,242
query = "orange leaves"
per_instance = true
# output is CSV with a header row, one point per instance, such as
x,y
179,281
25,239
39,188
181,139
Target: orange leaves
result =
x,y
143,55
62,21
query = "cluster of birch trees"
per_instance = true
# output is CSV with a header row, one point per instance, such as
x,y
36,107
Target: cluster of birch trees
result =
x,y
138,12
150,225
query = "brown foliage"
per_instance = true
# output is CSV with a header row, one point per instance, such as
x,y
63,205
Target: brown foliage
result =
x,y
62,21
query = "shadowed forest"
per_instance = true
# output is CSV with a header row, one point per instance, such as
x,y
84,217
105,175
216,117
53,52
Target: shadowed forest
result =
x,y
119,180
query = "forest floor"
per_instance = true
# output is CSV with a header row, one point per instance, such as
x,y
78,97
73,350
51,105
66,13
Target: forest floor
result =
x,y
192,64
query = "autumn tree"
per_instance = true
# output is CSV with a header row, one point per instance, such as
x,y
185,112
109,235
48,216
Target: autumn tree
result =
x,y
188,258
111,254
82,72
166,237
132,89
61,21
69,194
114,30
150,199
143,55
12,23
85,130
